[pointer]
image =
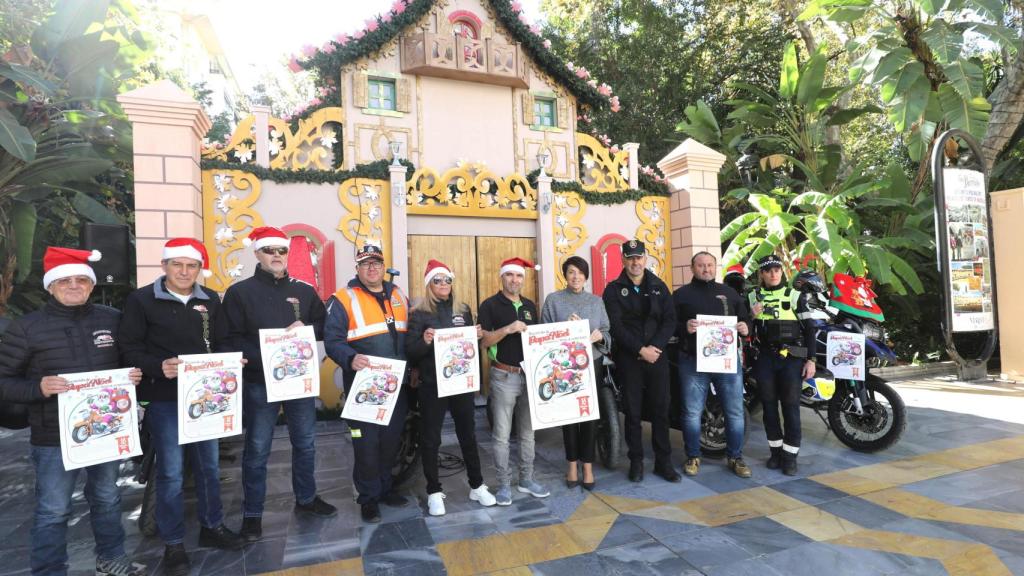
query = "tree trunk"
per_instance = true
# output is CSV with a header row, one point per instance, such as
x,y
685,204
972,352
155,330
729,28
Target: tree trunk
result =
x,y
1007,111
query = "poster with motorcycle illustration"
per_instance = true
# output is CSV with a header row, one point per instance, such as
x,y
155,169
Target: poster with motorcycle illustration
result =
x,y
374,391
716,344
457,361
209,396
845,353
98,418
559,372
291,368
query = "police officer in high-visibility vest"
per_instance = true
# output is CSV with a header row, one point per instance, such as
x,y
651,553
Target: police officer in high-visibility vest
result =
x,y
785,341
368,318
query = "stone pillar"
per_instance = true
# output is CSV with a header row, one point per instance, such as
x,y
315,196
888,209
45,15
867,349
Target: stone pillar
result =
x,y
168,127
634,163
692,172
545,237
261,126
1007,237
399,226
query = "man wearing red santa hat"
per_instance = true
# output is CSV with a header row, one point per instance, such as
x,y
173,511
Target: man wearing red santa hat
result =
x,y
67,335
172,316
273,299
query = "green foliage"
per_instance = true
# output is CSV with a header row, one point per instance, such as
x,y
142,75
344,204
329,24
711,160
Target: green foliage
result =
x,y
373,170
653,188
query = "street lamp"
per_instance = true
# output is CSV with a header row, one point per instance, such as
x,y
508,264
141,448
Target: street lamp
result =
x,y
746,165
546,197
396,149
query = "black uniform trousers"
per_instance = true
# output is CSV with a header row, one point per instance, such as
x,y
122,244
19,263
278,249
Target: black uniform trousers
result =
x,y
375,448
644,383
432,412
779,380
579,438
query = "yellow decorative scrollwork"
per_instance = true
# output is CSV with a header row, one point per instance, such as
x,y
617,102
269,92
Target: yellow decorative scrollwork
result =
x,y
653,232
228,199
570,233
600,170
367,217
471,190
311,146
242,141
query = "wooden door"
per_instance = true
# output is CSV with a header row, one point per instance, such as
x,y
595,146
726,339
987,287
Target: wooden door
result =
x,y
491,251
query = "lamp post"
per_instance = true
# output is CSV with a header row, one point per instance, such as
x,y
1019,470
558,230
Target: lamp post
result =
x,y
546,197
396,148
746,165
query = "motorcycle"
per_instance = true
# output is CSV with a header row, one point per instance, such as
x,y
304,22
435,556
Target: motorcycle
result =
x,y
94,424
718,341
208,403
847,354
456,366
559,382
285,366
377,391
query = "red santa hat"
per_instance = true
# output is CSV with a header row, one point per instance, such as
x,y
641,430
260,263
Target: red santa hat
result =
x,y
517,264
265,236
435,267
735,269
188,248
67,262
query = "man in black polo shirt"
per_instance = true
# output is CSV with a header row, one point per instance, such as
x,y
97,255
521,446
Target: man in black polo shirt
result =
x,y
503,317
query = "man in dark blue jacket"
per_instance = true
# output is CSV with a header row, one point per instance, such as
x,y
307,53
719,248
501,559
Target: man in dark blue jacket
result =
x,y
271,299
67,335
170,317
369,318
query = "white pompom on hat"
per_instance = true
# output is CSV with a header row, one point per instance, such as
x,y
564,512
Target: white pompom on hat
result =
x,y
67,262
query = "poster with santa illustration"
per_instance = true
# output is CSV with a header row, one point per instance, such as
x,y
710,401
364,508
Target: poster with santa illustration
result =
x,y
845,352
559,369
456,360
98,418
374,391
209,396
716,344
291,367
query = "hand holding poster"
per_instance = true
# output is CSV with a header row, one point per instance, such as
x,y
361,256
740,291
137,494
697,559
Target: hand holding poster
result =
x,y
845,353
716,344
209,396
291,368
559,372
457,361
374,391
98,421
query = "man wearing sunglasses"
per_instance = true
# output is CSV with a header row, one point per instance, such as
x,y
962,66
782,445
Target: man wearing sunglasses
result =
x,y
369,318
272,299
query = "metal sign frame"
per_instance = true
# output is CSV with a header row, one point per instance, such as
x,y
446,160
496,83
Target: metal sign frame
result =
x,y
969,368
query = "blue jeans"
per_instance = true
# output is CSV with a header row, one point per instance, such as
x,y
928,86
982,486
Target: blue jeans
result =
x,y
54,487
260,417
508,397
729,388
170,468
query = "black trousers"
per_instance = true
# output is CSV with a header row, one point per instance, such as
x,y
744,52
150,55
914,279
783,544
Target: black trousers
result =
x,y
579,437
375,448
432,412
644,383
779,382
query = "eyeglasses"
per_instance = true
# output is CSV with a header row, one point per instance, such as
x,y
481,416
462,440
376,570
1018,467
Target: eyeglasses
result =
x,y
372,265
441,280
270,251
72,280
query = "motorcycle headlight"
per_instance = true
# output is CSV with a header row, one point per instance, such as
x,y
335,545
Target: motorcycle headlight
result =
x,y
873,331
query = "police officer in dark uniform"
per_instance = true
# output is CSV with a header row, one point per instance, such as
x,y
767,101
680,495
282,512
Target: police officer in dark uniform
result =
x,y
785,340
643,318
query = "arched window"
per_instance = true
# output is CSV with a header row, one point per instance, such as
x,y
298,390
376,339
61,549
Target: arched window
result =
x,y
465,28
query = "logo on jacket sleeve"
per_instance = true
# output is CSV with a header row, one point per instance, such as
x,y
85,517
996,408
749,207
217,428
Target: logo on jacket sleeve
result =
x,y
527,315
625,292
458,320
396,300
102,339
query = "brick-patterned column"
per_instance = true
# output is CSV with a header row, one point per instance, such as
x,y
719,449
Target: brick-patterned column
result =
x,y
692,171
546,257
167,129
1007,238
399,225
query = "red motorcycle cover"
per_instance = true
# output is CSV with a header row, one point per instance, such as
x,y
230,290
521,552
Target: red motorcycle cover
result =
x,y
300,262
854,295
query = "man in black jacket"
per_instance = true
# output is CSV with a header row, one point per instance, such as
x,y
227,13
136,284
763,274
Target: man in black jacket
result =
x,y
705,296
67,335
642,320
271,299
170,317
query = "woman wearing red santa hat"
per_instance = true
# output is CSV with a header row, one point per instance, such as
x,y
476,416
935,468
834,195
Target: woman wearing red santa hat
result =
x,y
438,310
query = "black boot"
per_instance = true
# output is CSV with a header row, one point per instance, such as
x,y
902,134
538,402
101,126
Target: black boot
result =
x,y
775,460
252,528
176,560
636,470
220,537
789,463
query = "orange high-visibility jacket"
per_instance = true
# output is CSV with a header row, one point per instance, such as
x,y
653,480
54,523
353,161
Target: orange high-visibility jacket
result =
x,y
365,317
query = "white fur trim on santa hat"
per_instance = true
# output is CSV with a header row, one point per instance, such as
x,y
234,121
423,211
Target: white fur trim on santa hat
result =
x,y
515,268
182,252
435,271
270,241
67,271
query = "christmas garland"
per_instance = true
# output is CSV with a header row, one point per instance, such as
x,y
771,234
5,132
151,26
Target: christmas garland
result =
x,y
373,170
599,198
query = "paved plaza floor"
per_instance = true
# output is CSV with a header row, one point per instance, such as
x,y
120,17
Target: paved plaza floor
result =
x,y
948,499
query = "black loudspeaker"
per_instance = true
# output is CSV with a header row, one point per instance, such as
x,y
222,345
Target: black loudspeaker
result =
x,y
112,242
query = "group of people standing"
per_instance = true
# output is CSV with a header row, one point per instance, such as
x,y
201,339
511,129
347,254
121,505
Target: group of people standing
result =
x,y
632,323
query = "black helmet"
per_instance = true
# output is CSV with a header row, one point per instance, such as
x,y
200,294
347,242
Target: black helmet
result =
x,y
809,281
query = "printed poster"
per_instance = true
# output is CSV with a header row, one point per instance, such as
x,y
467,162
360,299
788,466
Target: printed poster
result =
x,y
559,370
970,271
209,396
374,391
457,361
716,344
290,364
845,353
98,418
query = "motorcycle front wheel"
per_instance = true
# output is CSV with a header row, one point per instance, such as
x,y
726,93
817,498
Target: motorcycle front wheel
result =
x,y
609,433
406,464
883,421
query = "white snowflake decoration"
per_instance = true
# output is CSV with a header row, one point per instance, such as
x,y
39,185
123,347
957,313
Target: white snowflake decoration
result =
x,y
562,220
224,234
243,154
221,181
224,202
327,138
235,272
370,193
624,172
588,161
275,142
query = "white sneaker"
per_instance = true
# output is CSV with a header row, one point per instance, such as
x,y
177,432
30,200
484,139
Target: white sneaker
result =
x,y
482,495
435,504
